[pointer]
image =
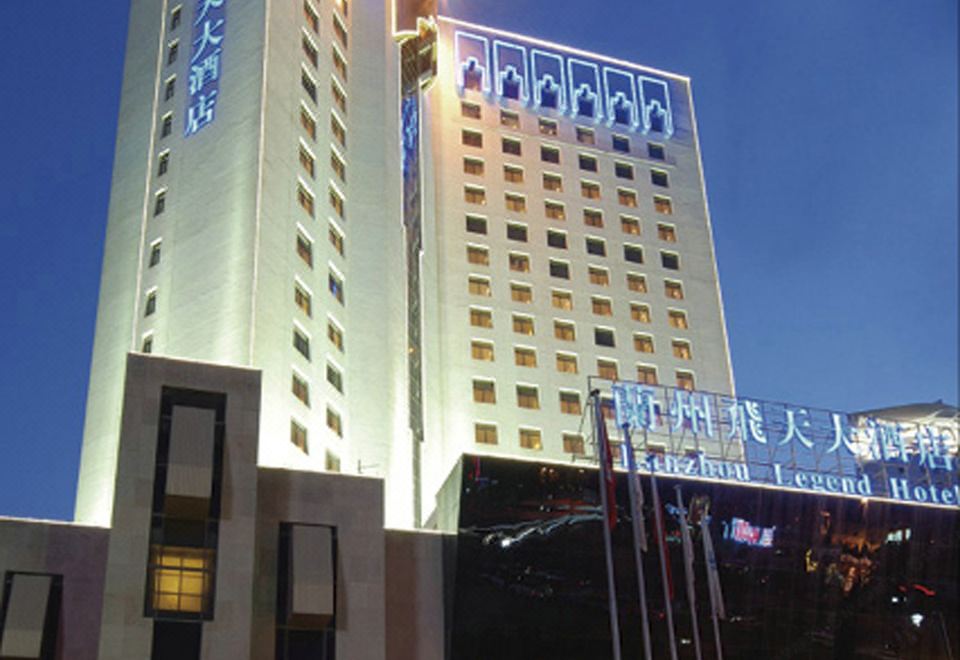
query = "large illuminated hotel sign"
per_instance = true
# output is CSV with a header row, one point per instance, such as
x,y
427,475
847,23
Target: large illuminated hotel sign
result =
x,y
781,445
581,86
209,33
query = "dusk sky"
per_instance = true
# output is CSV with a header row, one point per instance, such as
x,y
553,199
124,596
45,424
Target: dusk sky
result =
x,y
829,138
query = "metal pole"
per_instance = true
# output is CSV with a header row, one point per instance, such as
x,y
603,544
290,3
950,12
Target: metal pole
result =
x,y
662,545
607,540
688,573
713,580
639,539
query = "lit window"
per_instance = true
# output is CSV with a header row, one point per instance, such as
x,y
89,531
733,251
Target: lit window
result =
x,y
557,239
646,374
484,391
151,305
476,224
309,86
549,154
305,199
553,182
561,299
573,443
528,396
607,369
548,126
509,119
523,325
512,174
516,203
667,233
306,161
566,363
154,255
338,130
308,122
627,197
511,146
656,151
340,30
181,579
659,178
530,439
485,434
473,166
481,318
334,422
338,166
302,299
309,50
599,276
629,225
633,254
339,64
336,239
604,337
478,256
519,263
560,269
524,357
305,250
587,163
640,313
334,377
301,342
602,306
677,319
596,247
521,293
673,289
335,335
555,210
481,350
160,203
636,283
298,436
471,138
592,218
681,350
570,403
685,380
336,201
670,260
663,205
469,110
590,190
331,462
643,343
586,135
564,330
623,171
301,389
479,286
311,16
473,195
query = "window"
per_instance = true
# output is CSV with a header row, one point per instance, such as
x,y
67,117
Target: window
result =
x,y
560,269
339,97
338,166
305,199
331,462
471,138
681,350
555,210
481,318
673,289
549,154
484,391
336,239
662,205
479,286
607,369
474,195
587,163
636,283
531,439
160,202
311,16
301,342
339,64
308,122
557,239
643,343
627,197
308,85
599,276
301,299
521,293
573,443
334,422
590,190
469,110
154,255
561,299
301,389
338,130
147,345
166,125
513,174
340,30
564,330
181,579
150,307
567,363
629,225
334,377
519,262
667,233
685,380
570,403
633,254
523,325
659,178
175,17
621,144
485,434
602,306
336,201
646,374
604,337
305,249
476,224
335,335
510,146
623,171
479,256
516,203
586,135
309,50
656,151
306,161
481,350
335,284
173,49
639,313
473,166
509,119
592,218
596,247
170,88
553,182
528,397
524,357
547,126
677,319
670,260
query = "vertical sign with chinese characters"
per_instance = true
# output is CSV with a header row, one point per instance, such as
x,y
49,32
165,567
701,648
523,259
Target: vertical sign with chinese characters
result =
x,y
206,54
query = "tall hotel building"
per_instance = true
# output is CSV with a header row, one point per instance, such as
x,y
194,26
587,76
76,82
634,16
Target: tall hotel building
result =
x,y
425,234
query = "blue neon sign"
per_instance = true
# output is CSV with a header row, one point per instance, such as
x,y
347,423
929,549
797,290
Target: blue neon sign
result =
x,y
206,54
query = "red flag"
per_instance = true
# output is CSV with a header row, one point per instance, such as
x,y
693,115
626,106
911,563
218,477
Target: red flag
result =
x,y
609,478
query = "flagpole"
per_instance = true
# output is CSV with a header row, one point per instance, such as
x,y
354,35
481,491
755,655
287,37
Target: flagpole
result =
x,y
688,572
662,546
603,447
639,538
713,582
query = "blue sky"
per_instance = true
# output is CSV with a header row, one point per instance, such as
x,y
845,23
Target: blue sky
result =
x,y
829,137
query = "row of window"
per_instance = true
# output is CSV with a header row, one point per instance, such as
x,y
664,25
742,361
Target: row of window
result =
x,y
478,224
517,203
553,181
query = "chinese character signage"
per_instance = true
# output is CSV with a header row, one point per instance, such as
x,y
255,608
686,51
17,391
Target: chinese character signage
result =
x,y
206,54
747,440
